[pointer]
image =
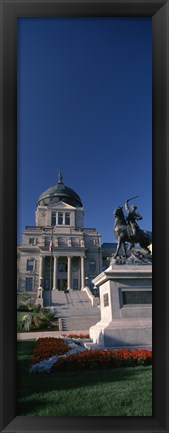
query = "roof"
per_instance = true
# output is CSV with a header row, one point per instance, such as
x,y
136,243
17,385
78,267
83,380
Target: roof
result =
x,y
59,192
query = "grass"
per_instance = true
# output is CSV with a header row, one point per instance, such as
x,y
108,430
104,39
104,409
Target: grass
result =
x,y
110,392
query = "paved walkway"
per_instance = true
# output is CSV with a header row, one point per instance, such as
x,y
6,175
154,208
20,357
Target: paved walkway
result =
x,y
35,335
89,346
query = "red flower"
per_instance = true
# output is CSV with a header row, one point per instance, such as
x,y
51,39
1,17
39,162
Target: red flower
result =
x,y
47,347
107,358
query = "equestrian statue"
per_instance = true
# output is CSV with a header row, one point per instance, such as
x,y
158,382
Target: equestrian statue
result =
x,y
126,229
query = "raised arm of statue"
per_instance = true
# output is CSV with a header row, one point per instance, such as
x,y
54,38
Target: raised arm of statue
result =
x,y
127,206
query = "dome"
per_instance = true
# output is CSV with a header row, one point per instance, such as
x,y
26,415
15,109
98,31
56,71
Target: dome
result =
x,y
59,192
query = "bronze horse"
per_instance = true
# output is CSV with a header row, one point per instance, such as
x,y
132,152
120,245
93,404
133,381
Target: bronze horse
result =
x,y
123,234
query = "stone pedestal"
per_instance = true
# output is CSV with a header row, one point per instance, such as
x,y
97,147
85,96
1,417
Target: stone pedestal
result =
x,y
126,304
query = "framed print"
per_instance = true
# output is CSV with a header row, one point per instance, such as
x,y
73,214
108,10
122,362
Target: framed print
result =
x,y
12,14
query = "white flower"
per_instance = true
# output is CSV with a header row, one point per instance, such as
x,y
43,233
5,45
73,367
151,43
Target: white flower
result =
x,y
46,365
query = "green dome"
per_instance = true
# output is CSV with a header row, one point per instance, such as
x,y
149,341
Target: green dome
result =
x,y
59,192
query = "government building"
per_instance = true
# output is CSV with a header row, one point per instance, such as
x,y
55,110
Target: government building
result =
x,y
59,253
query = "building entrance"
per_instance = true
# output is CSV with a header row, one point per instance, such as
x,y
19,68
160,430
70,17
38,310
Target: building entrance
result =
x,y
62,284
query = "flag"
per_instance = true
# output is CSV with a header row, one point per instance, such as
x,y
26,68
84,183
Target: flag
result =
x,y
50,245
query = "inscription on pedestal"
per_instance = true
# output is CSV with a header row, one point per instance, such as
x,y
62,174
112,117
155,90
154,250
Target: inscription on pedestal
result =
x,y
137,297
106,300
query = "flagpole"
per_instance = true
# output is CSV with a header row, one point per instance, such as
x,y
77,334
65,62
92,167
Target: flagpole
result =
x,y
51,257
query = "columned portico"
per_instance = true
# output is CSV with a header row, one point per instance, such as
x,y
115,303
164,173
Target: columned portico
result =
x,y
55,273
65,274
82,273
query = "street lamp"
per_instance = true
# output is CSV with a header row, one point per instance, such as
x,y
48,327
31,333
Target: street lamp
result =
x,y
87,281
95,290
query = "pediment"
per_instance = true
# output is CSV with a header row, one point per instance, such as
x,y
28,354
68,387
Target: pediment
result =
x,y
61,205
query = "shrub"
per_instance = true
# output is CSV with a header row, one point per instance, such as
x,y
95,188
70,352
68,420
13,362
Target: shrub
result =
x,y
29,307
36,308
43,319
36,321
23,297
47,347
23,307
46,315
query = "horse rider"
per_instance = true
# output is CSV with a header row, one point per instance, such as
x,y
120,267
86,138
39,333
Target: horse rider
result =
x,y
131,219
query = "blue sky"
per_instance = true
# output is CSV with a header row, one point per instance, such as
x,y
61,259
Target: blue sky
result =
x,y
85,108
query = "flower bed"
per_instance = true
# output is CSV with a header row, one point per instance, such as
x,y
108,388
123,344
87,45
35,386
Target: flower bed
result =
x,y
53,354
104,359
47,347
82,336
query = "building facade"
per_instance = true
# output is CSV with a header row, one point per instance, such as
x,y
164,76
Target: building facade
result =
x,y
58,252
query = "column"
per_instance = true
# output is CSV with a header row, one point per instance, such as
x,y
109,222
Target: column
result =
x,y
39,299
82,273
69,274
40,269
55,272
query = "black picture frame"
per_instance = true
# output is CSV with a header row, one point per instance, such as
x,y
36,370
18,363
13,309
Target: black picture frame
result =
x,y
159,11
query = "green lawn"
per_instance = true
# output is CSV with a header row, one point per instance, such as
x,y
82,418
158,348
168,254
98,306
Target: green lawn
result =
x,y
109,392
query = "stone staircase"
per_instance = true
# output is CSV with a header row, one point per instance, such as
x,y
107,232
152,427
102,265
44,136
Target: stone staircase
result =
x,y
78,323
74,309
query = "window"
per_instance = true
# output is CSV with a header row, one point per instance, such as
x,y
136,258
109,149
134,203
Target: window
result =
x,y
30,264
60,218
31,241
29,284
47,242
67,218
93,266
62,267
53,219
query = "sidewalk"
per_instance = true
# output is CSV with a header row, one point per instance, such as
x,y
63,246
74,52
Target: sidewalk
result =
x,y
89,346
35,335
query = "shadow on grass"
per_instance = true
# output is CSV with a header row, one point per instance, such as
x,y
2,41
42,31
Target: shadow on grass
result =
x,y
101,392
120,392
64,380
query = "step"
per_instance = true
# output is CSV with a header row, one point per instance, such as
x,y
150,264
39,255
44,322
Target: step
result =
x,y
77,323
74,309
